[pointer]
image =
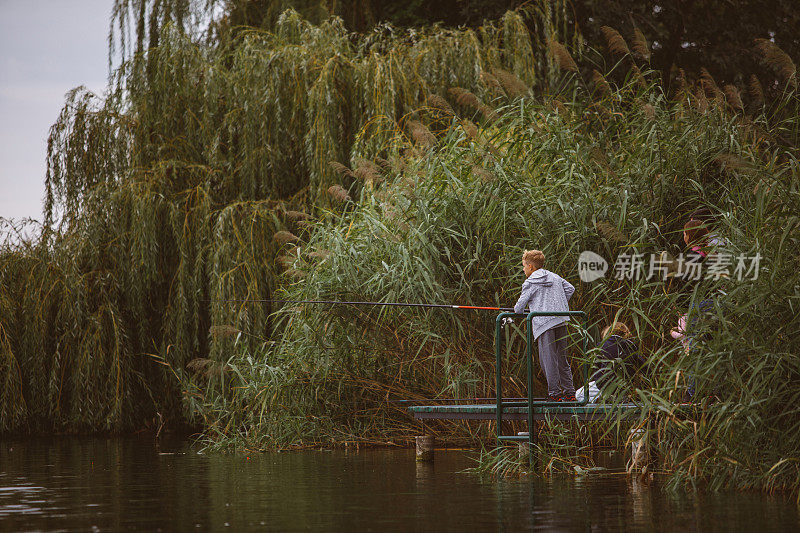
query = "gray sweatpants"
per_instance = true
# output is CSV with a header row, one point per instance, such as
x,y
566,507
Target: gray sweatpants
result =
x,y
553,358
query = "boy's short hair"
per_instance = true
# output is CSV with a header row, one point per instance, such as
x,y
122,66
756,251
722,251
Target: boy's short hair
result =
x,y
617,328
533,257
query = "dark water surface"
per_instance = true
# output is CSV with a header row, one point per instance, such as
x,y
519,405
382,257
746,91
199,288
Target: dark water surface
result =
x,y
85,484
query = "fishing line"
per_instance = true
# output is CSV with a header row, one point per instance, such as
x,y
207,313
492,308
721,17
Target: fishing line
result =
x,y
418,400
387,304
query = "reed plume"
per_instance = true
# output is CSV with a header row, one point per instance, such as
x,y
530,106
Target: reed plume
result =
x,y
205,367
638,77
338,193
683,88
421,134
340,169
489,114
600,84
465,98
319,255
700,101
468,99
368,171
284,237
755,90
639,45
470,128
434,101
778,60
513,86
610,232
491,82
223,331
296,215
733,97
385,164
562,57
614,41
709,85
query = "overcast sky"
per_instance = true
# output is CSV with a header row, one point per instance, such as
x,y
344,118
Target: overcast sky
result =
x,y
47,47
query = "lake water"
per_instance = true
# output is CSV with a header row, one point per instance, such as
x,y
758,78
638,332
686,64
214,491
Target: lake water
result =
x,y
81,484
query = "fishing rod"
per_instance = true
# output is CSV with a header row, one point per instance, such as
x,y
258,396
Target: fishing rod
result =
x,y
475,399
387,304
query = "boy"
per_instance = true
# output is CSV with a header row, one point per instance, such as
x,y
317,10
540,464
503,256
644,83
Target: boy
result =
x,y
546,291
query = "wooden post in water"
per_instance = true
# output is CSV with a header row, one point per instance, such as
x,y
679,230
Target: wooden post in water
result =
x,y
425,447
640,455
524,446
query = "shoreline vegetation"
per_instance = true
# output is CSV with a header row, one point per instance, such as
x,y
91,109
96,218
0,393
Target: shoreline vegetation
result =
x,y
308,162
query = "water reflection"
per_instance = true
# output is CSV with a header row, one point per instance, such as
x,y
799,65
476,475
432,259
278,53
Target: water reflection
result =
x,y
80,484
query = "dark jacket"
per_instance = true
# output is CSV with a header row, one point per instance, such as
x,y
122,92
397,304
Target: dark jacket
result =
x,y
618,358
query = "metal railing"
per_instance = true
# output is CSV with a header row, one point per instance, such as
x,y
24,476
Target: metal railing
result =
x,y
529,356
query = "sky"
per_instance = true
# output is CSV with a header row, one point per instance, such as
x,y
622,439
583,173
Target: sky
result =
x,y
47,47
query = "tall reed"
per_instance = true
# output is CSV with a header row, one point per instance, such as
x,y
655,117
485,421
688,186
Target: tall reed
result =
x,y
617,172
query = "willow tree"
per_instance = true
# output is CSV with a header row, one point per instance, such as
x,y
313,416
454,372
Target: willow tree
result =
x,y
172,192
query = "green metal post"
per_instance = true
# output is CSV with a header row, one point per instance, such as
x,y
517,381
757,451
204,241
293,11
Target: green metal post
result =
x,y
529,360
498,345
529,354
586,363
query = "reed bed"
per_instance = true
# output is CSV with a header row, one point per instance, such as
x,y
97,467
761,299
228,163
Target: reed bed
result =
x,y
614,173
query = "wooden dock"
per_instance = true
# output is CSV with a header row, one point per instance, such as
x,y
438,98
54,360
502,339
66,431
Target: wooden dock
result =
x,y
542,411
581,413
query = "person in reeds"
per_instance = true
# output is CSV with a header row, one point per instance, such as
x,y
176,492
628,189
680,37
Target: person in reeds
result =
x,y
546,291
698,318
705,216
695,235
690,263
693,327
615,365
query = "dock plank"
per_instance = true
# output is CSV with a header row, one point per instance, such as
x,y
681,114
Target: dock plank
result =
x,y
489,411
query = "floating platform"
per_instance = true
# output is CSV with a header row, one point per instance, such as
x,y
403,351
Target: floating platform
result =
x,y
588,412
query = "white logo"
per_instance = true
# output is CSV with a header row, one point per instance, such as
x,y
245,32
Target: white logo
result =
x,y
591,266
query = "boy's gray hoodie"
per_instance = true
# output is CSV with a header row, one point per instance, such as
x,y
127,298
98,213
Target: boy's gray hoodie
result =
x,y
545,291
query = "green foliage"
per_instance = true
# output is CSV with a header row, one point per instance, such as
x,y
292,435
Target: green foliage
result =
x,y
411,165
613,174
163,197
714,34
